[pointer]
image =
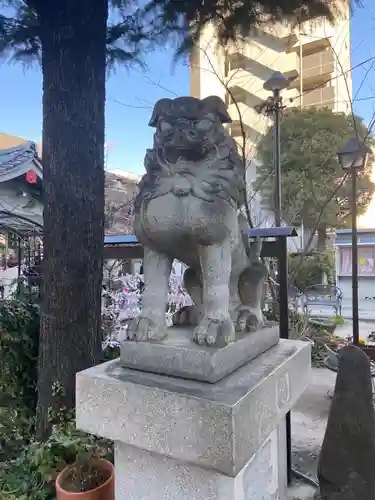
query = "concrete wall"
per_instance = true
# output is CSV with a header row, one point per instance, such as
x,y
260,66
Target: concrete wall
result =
x,y
207,67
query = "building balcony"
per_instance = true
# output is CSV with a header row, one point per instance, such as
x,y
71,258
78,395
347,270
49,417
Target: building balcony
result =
x,y
279,36
262,68
321,97
243,112
238,128
240,100
241,95
290,66
289,40
316,69
321,63
310,46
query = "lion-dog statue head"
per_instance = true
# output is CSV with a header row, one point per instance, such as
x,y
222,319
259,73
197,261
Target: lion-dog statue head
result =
x,y
192,146
187,127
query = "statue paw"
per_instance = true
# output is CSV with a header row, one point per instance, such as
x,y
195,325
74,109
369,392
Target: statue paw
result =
x,y
214,332
248,321
147,328
187,315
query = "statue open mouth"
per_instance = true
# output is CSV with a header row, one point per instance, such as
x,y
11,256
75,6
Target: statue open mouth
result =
x,y
173,154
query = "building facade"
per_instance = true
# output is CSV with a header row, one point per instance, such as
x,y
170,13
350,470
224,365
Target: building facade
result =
x,y
314,56
366,271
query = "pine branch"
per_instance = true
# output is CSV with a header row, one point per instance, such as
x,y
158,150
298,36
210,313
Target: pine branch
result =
x,y
20,34
233,18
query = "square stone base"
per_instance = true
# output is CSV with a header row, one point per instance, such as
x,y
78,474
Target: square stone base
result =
x,y
197,440
142,475
179,356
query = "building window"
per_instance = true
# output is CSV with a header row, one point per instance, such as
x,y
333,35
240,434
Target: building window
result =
x,y
366,261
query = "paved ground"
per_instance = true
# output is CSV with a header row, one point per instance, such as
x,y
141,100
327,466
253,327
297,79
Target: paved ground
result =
x,y
309,419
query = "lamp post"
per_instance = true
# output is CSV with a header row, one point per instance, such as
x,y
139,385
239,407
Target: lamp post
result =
x,y
275,84
274,106
353,156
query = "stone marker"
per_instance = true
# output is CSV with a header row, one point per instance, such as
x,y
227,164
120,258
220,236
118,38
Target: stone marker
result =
x,y
347,458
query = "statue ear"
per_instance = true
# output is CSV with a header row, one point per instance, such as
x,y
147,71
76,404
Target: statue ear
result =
x,y
213,104
161,108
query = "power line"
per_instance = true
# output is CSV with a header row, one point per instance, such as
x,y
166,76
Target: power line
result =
x,y
322,85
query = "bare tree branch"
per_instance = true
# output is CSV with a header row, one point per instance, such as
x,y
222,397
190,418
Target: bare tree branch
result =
x,y
134,106
156,84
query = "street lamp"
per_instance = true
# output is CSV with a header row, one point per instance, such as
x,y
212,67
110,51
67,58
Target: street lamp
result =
x,y
353,156
274,106
275,84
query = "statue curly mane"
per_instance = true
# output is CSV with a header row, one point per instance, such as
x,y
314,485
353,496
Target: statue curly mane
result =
x,y
207,167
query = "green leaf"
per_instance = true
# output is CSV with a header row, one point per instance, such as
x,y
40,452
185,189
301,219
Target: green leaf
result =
x,y
311,173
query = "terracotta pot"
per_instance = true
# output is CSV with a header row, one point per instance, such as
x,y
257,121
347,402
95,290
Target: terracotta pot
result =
x,y
106,491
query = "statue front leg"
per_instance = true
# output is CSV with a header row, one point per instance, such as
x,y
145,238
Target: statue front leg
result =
x,y
251,292
216,327
151,323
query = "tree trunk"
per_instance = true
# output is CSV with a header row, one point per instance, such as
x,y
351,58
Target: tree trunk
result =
x,y
73,35
322,246
322,238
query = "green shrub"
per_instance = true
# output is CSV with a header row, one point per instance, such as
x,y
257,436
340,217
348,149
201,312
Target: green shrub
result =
x,y
19,341
309,271
110,352
19,337
34,470
338,319
33,473
28,468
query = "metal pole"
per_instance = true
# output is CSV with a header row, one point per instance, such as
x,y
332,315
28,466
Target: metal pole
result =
x,y
277,195
284,334
354,260
282,266
6,250
300,70
283,288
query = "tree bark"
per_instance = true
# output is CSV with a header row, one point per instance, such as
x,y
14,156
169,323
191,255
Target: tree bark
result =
x,y
322,246
73,35
322,238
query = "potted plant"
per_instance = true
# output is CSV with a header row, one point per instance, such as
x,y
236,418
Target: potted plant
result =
x,y
89,478
323,326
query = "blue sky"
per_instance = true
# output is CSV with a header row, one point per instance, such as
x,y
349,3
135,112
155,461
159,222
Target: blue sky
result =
x,y
127,132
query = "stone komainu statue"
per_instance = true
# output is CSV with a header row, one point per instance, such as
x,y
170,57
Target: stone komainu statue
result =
x,y
188,208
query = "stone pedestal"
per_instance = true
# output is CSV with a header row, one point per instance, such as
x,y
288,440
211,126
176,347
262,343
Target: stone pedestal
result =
x,y
184,439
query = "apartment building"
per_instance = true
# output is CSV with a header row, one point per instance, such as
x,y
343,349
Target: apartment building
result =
x,y
314,56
